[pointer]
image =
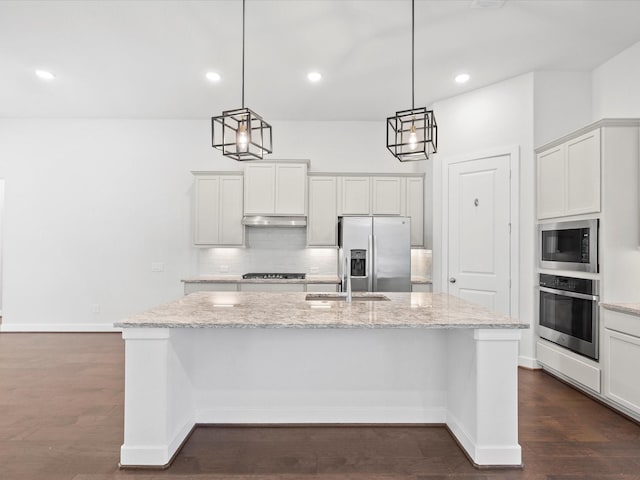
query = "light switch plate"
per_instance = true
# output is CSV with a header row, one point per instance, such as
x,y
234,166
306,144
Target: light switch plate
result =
x,y
157,267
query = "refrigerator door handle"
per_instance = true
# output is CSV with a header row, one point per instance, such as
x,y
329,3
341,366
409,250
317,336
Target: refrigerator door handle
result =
x,y
369,265
374,266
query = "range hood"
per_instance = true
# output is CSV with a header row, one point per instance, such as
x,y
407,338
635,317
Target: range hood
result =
x,y
274,221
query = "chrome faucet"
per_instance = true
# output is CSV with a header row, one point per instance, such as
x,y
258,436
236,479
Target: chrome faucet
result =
x,y
347,275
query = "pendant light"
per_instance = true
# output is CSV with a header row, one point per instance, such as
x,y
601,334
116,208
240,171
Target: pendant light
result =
x,y
241,134
412,134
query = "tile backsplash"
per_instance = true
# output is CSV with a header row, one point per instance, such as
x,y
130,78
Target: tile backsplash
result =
x,y
284,250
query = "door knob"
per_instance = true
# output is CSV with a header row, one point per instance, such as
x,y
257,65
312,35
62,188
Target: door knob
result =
x,y
452,280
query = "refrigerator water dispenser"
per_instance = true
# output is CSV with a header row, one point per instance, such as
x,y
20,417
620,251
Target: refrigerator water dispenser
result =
x,y
358,263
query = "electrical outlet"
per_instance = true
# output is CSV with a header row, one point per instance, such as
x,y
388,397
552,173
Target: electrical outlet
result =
x,y
157,267
314,270
223,268
95,308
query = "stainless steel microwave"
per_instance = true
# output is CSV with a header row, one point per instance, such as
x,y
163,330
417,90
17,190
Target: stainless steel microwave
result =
x,y
569,245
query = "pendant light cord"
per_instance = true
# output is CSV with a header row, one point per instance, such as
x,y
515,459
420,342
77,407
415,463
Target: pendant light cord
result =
x,y
243,1
413,55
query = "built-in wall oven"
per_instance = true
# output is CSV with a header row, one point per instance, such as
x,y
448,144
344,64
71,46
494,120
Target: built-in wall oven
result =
x,y
569,245
569,313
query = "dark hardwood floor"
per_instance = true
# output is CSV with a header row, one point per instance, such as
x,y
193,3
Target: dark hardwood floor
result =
x,y
61,418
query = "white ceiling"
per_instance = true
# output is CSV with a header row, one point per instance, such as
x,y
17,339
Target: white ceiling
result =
x,y
141,59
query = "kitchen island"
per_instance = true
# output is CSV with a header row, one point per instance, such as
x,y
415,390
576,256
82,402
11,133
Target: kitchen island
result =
x,y
265,358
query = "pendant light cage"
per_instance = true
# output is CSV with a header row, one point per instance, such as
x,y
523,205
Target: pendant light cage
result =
x,y
412,135
241,134
226,129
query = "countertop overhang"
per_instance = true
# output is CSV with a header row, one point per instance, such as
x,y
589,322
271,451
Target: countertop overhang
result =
x,y
291,310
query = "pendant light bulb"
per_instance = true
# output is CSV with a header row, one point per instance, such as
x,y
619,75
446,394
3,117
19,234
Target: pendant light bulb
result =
x,y
242,139
413,138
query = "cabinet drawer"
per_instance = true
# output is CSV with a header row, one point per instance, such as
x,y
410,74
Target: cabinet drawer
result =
x,y
567,364
621,322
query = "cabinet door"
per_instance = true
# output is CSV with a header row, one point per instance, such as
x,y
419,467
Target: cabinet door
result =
x,y
272,287
583,174
551,183
323,219
190,287
231,229
415,210
621,362
386,195
355,196
207,192
290,189
259,190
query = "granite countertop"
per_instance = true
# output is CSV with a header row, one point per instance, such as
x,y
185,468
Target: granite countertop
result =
x,y
328,279
291,310
632,308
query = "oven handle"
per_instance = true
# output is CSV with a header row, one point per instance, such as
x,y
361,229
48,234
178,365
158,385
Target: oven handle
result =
x,y
564,293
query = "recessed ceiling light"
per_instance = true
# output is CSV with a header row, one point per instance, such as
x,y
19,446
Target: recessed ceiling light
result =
x,y
314,76
213,76
45,75
462,78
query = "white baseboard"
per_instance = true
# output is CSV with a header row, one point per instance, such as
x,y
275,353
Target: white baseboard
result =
x,y
484,455
381,415
528,362
58,327
154,455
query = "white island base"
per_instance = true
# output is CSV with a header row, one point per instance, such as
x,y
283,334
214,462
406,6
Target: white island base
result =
x,y
461,377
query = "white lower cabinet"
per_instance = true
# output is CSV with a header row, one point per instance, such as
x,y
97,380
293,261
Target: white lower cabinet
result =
x,y
322,287
621,348
422,287
190,287
272,287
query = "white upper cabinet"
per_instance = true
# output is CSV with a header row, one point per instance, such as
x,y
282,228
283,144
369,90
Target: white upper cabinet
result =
x,y
259,188
551,183
231,230
323,219
386,195
583,174
218,210
275,188
355,196
415,209
291,181
568,180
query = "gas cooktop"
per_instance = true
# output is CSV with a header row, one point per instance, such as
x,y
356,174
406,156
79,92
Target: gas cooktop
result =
x,y
275,276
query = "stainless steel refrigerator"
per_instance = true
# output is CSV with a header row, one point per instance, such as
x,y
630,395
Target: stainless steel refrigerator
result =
x,y
378,250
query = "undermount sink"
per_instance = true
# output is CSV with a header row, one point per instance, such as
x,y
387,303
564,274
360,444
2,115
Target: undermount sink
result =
x,y
341,297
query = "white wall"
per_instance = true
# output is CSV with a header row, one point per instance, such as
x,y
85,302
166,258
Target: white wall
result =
x,y
615,86
562,104
90,204
1,220
501,115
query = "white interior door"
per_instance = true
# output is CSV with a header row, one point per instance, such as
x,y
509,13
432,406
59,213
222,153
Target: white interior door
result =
x,y
479,232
